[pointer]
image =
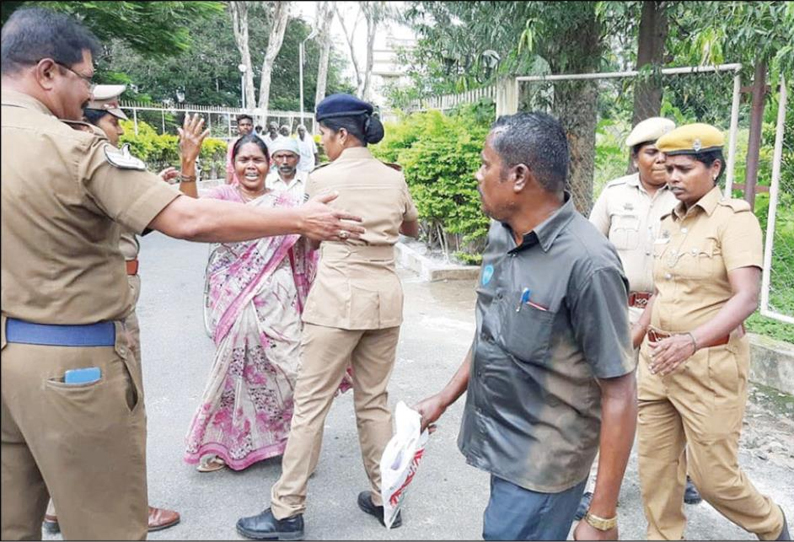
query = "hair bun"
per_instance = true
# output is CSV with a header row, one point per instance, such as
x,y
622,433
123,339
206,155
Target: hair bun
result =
x,y
373,129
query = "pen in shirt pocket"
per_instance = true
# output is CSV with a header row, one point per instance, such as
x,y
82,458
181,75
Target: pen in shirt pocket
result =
x,y
525,300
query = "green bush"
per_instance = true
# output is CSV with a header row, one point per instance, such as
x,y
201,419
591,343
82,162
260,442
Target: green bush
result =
x,y
439,155
160,151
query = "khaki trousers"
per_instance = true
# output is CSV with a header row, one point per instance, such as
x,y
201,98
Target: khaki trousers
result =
x,y
133,329
84,445
700,406
326,354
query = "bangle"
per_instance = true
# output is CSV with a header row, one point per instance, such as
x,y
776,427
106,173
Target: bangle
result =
x,y
600,523
694,341
187,178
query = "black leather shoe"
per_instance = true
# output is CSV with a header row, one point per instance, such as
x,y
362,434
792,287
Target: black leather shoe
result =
x,y
584,505
691,493
366,504
265,526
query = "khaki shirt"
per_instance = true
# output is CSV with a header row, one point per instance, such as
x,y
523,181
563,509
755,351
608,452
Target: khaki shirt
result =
x,y
62,207
693,254
357,286
631,218
129,245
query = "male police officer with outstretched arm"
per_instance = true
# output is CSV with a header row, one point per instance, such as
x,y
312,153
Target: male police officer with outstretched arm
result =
x,y
65,291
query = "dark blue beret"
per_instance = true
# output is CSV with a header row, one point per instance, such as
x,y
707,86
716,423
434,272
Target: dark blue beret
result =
x,y
342,105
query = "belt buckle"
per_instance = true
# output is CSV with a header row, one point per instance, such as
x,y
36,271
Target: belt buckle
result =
x,y
640,302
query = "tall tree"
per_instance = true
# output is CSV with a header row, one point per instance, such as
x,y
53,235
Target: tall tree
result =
x,y
349,35
650,52
374,14
239,15
531,37
325,16
208,71
280,18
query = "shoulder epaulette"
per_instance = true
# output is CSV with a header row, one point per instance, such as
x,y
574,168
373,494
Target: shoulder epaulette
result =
x,y
395,167
85,127
738,205
319,166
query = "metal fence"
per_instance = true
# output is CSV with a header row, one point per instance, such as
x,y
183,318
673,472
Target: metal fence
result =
x,y
449,101
221,121
777,287
597,110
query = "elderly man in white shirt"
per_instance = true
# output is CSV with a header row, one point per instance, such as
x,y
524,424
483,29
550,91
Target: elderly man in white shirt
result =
x,y
308,150
284,175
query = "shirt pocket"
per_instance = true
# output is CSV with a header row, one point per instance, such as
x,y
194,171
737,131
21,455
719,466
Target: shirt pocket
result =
x,y
526,334
697,261
625,231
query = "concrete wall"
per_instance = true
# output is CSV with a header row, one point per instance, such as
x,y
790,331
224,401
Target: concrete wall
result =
x,y
772,363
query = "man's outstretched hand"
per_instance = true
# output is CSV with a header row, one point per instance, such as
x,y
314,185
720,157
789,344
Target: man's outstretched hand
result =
x,y
320,222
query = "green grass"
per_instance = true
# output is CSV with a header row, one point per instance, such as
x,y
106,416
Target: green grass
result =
x,y
771,328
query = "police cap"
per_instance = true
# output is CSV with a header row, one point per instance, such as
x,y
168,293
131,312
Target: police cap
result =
x,y
342,105
106,98
691,139
649,130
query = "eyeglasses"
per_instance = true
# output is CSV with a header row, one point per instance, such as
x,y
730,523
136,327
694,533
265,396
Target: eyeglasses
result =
x,y
87,80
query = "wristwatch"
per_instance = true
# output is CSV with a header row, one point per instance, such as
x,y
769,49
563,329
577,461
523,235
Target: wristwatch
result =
x,y
600,523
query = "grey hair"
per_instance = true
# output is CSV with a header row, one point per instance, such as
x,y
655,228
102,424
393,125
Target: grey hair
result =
x,y
536,140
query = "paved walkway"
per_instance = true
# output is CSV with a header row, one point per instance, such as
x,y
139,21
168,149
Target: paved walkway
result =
x,y
447,497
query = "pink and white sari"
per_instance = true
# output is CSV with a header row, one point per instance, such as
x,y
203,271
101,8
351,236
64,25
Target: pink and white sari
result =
x,y
257,294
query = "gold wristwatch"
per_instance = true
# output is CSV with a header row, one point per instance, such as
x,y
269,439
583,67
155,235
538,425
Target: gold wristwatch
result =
x,y
600,523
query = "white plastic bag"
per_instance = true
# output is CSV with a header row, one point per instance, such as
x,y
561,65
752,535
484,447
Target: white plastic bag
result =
x,y
400,460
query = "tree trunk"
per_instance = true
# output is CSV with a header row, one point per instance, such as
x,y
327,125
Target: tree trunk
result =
x,y
349,38
756,125
576,105
372,15
239,13
280,19
325,16
650,50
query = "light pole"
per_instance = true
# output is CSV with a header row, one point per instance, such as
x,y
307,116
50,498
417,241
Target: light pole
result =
x,y
300,66
243,68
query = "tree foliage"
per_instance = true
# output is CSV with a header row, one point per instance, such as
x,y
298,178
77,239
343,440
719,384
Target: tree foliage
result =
x,y
746,32
439,155
208,72
153,29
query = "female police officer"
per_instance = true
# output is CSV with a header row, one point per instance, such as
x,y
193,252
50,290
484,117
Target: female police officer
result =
x,y
694,364
352,316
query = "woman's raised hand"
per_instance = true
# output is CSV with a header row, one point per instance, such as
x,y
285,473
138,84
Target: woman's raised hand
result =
x,y
191,137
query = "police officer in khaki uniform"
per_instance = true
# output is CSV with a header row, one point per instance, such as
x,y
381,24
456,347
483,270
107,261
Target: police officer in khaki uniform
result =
x,y
73,425
352,316
630,208
629,212
104,112
695,358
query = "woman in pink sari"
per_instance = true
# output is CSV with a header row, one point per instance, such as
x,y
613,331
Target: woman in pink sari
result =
x,y
257,293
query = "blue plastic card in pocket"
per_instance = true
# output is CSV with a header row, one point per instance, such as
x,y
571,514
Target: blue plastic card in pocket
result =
x,y
82,376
